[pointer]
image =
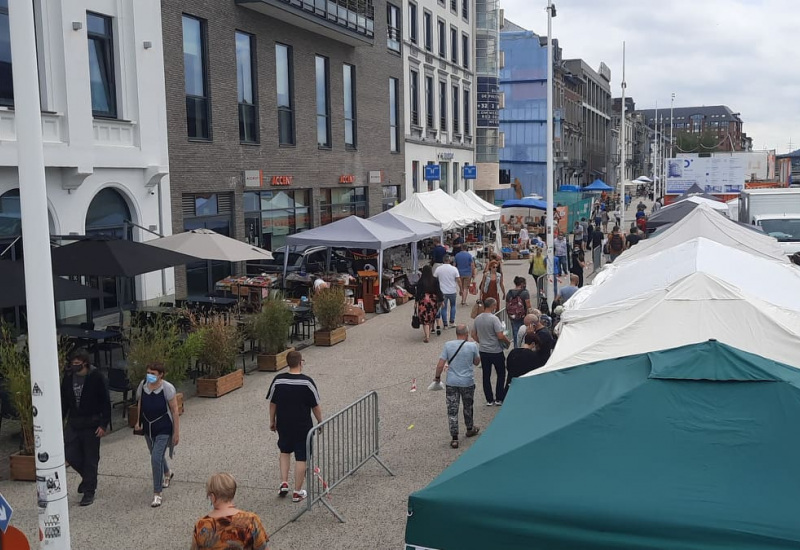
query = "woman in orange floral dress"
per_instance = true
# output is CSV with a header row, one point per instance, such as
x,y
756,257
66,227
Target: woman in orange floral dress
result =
x,y
227,527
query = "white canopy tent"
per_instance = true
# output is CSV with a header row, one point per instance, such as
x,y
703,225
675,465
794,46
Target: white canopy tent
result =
x,y
479,201
694,309
767,279
703,221
420,229
437,208
351,232
716,205
487,215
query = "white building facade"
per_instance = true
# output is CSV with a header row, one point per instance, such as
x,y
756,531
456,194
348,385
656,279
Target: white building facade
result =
x,y
101,79
438,63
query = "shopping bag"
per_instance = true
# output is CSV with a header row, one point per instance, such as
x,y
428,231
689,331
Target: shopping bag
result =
x,y
473,288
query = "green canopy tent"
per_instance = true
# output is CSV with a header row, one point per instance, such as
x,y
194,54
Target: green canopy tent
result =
x,y
695,447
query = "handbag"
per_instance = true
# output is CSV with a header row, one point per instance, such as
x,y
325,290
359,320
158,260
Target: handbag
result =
x,y
415,321
473,288
477,309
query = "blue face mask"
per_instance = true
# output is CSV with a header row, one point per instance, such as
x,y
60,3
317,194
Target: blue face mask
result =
x,y
151,378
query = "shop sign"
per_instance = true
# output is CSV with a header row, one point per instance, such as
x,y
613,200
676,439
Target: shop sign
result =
x,y
446,156
281,180
347,178
470,172
433,172
252,178
488,103
376,176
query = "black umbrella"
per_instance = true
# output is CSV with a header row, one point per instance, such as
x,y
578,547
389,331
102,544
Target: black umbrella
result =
x,y
101,257
670,214
12,291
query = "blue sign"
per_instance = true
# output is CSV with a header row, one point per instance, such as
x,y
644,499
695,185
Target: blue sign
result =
x,y
5,514
433,172
470,172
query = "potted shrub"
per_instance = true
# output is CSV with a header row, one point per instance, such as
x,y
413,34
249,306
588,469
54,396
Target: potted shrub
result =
x,y
271,327
218,350
16,374
329,308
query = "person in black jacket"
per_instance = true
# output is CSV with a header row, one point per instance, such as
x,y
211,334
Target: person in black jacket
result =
x,y
86,406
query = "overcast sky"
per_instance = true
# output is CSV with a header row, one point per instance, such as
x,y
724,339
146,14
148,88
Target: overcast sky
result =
x,y
739,53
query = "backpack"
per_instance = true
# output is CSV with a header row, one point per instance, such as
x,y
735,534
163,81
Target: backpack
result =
x,y
515,307
616,244
641,223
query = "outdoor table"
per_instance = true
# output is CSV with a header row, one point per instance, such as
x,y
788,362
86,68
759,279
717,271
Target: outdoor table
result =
x,y
160,310
95,336
302,317
214,301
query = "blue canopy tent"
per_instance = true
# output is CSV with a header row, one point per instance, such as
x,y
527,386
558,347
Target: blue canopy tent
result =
x,y
570,188
598,185
527,202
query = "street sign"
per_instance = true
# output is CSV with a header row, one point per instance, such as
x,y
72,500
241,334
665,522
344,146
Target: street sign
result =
x,y
433,172
470,172
5,514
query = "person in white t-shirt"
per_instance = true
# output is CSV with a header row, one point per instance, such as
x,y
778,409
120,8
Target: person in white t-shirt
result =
x,y
524,238
450,285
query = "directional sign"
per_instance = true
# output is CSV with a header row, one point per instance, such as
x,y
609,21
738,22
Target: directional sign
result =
x,y
470,172
5,514
433,172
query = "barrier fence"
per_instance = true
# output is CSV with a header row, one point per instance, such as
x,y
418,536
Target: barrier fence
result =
x,y
337,447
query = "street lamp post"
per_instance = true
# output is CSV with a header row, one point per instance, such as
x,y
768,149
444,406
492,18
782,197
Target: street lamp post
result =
x,y
551,12
622,148
671,125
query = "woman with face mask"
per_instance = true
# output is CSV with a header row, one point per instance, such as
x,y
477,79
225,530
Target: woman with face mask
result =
x,y
159,419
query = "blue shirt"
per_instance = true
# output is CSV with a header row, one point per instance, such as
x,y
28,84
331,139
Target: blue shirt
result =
x,y
461,371
439,252
464,262
566,292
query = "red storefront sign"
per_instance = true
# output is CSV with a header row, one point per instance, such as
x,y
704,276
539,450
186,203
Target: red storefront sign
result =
x,y
281,180
347,178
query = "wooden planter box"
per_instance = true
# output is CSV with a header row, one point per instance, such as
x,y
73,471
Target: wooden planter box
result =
x,y
22,467
272,363
325,338
132,410
217,387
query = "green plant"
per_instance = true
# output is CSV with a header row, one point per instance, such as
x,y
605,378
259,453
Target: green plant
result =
x,y
161,342
16,374
271,325
329,308
218,348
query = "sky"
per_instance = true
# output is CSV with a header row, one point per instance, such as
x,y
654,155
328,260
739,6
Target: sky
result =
x,y
739,53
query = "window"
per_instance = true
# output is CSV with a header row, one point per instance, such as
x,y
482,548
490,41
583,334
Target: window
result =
x,y
465,51
456,111
272,215
467,114
465,9
102,79
429,102
443,106
394,115
412,22
454,6
456,178
349,81
207,211
427,21
443,180
415,175
246,88
284,79
391,196
414,91
6,81
453,44
340,203
393,27
198,104
323,102
442,39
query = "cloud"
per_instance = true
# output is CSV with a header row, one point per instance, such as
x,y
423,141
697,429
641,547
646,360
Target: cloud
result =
x,y
739,53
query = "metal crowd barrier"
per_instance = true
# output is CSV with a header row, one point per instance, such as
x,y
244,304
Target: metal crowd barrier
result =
x,y
338,447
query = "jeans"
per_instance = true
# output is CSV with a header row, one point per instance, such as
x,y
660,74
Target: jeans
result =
x,y
499,362
82,451
563,267
451,298
158,460
516,324
454,394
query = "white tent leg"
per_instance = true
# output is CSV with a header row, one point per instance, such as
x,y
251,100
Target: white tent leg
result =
x,y
380,273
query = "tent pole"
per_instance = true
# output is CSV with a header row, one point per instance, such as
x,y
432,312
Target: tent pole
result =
x,y
285,267
380,274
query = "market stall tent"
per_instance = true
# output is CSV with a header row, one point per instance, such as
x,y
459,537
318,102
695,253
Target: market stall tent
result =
x,y
480,202
694,309
699,199
598,185
487,214
687,448
421,230
437,208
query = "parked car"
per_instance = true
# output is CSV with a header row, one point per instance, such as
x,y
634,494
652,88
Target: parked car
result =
x,y
308,259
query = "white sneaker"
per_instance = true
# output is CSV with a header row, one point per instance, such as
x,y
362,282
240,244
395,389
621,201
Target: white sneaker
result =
x,y
300,495
156,501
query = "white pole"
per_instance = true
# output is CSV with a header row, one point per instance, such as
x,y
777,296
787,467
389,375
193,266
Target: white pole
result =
x,y
671,126
51,479
550,261
623,150
659,183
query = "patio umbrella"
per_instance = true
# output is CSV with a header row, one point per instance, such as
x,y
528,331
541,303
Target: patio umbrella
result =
x,y
643,179
210,245
12,291
101,257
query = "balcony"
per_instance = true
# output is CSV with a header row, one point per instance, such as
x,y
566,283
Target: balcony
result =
x,y
349,21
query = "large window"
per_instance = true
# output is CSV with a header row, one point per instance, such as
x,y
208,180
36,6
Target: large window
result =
x,y
430,102
467,114
456,111
340,203
453,44
246,87
6,82
414,91
272,215
443,181
323,102
207,211
349,82
284,79
465,51
442,39
415,175
393,27
412,22
198,103
443,106
427,20
465,9
102,78
394,116
391,196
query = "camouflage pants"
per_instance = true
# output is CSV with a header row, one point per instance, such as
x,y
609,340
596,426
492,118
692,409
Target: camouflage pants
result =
x,y
454,395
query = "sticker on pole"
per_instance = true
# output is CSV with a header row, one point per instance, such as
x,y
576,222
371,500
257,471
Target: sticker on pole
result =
x,y
5,513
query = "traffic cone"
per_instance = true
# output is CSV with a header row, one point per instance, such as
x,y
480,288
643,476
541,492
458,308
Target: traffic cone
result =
x,y
413,385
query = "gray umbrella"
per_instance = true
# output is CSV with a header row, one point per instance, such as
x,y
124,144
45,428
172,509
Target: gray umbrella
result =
x,y
12,291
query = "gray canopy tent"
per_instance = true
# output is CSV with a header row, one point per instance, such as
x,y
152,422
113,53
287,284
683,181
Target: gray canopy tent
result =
x,y
351,232
420,229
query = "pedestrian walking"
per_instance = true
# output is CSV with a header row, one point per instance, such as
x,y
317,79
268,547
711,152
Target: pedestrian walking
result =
x,y
460,356
578,232
492,285
428,300
518,304
604,220
438,252
226,526
537,266
488,333
524,359
293,397
560,248
465,264
86,406
578,264
157,416
528,322
546,340
616,244
450,286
